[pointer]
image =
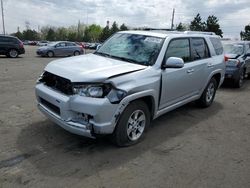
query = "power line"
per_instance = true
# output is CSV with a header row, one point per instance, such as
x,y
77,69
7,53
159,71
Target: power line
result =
x,y
3,17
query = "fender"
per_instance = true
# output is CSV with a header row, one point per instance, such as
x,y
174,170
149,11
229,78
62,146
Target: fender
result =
x,y
128,99
220,71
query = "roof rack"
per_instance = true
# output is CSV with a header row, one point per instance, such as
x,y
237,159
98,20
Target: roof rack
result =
x,y
163,30
199,32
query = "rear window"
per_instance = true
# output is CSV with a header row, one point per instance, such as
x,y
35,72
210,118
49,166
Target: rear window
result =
x,y
8,39
217,45
199,49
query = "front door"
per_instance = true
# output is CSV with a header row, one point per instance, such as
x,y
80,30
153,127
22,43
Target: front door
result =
x,y
183,83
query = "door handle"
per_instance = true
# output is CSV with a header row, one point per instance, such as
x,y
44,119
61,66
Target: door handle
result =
x,y
210,65
190,71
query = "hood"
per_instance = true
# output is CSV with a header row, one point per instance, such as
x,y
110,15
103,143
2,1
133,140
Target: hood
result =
x,y
232,56
90,68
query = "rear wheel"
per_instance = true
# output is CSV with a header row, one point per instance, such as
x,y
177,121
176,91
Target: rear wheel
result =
x,y
50,54
13,53
132,124
208,94
76,53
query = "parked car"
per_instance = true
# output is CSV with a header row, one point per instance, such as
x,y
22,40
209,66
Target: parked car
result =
x,y
11,46
26,42
237,62
93,46
32,43
60,49
133,78
42,43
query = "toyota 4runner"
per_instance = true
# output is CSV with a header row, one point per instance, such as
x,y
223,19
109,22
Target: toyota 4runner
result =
x,y
133,78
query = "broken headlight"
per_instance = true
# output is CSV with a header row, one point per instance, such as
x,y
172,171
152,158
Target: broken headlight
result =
x,y
100,91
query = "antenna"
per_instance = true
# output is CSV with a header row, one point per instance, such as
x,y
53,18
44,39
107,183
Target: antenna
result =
x,y
3,17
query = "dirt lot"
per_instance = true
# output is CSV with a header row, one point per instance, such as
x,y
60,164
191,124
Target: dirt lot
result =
x,y
189,147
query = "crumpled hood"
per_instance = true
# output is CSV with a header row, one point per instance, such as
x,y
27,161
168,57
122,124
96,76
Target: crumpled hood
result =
x,y
90,68
232,56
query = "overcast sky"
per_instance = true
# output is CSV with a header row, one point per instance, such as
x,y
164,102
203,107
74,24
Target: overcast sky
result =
x,y
233,14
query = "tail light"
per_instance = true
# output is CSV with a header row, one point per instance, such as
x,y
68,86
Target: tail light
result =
x,y
226,58
21,44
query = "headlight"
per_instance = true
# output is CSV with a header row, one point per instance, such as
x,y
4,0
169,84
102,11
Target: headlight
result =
x,y
100,91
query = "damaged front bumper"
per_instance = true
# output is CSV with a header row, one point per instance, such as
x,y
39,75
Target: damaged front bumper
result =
x,y
79,115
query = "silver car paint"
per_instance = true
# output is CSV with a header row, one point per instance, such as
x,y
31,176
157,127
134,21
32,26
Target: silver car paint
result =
x,y
177,86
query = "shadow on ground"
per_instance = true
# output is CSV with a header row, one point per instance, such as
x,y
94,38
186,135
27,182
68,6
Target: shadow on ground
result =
x,y
57,153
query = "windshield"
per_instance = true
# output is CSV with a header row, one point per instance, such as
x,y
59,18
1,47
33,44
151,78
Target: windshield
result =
x,y
234,48
139,49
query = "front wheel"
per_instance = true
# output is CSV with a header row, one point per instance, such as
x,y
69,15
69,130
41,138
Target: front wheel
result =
x,y
50,54
132,124
208,94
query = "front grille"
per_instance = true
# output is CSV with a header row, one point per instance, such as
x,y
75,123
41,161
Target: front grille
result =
x,y
58,83
52,107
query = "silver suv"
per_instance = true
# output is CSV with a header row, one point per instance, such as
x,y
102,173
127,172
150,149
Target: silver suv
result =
x,y
133,78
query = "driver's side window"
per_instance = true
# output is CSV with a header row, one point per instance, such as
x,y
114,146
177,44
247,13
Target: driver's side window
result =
x,y
179,48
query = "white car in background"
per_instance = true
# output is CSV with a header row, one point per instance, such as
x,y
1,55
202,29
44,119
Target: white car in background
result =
x,y
42,43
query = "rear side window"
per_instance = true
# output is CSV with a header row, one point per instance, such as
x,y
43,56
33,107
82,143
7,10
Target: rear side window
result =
x,y
70,44
217,45
179,48
5,39
199,49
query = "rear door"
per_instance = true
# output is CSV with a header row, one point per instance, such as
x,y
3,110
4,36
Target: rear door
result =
x,y
71,48
5,44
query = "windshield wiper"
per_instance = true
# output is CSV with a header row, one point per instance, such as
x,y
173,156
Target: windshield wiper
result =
x,y
126,59
102,54
117,57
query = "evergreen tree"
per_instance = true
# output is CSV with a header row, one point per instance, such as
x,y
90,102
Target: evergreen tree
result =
x,y
245,35
212,25
123,27
197,24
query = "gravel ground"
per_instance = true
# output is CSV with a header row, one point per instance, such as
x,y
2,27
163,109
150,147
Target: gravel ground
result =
x,y
188,147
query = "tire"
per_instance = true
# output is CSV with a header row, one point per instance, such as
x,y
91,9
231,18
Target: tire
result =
x,y
13,53
248,76
129,129
208,94
50,54
76,53
239,82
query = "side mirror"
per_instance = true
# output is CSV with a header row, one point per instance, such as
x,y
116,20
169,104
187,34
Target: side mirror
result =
x,y
98,46
173,62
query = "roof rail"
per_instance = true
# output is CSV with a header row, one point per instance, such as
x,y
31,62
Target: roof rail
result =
x,y
199,32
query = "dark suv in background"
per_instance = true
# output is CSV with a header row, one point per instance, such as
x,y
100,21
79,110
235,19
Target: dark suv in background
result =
x,y
11,46
237,56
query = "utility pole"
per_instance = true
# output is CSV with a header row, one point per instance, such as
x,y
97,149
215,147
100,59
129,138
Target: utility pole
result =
x,y
172,22
2,17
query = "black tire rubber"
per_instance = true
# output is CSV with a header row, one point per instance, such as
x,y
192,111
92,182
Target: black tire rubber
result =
x,y
248,76
9,55
50,52
76,53
202,102
119,136
237,83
